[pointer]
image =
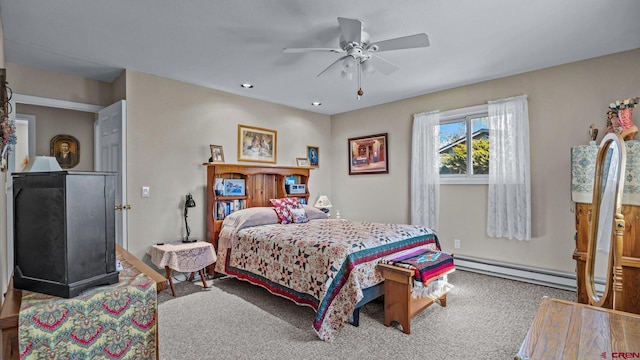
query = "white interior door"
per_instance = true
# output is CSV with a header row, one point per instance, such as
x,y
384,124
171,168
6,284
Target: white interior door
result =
x,y
110,155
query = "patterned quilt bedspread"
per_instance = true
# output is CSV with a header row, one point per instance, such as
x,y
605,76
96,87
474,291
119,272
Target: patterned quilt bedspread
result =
x,y
324,264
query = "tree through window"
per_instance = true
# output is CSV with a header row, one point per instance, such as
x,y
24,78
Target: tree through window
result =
x,y
455,154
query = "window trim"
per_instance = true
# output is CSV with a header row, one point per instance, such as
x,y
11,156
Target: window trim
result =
x,y
451,116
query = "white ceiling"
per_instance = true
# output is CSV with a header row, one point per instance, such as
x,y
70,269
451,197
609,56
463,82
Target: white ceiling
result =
x,y
220,44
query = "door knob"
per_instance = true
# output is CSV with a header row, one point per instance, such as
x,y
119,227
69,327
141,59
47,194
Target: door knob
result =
x,y
118,207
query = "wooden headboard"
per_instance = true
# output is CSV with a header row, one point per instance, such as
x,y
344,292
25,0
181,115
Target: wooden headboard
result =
x,y
261,183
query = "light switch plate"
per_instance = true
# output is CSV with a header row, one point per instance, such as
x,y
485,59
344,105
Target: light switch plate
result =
x,y
145,191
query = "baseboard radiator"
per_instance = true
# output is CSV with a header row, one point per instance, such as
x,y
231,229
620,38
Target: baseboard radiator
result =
x,y
555,279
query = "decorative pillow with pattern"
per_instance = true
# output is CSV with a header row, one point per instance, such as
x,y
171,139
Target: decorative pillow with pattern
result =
x,y
283,208
299,215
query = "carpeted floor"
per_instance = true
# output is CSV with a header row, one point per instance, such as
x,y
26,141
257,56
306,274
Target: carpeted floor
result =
x,y
485,318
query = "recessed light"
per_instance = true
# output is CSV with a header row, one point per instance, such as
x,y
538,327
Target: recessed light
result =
x,y
316,103
246,85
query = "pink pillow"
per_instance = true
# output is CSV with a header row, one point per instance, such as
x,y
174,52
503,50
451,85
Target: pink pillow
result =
x,y
283,208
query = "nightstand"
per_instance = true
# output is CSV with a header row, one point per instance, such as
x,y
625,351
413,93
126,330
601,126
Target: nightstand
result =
x,y
183,257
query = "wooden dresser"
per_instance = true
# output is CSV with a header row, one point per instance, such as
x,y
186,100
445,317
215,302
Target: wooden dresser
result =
x,y
630,255
582,177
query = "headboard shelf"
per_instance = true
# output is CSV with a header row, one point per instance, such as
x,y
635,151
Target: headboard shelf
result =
x,y
262,183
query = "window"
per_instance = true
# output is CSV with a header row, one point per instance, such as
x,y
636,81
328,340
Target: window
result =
x,y
460,163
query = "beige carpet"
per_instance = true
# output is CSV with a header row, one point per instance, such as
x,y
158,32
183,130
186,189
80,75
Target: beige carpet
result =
x,y
485,318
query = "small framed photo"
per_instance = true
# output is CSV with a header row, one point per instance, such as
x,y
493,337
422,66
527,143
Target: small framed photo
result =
x,y
256,144
66,149
233,187
368,155
217,154
313,154
302,161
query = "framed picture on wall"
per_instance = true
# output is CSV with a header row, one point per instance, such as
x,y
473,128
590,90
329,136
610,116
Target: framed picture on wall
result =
x,y
256,144
313,154
368,155
66,150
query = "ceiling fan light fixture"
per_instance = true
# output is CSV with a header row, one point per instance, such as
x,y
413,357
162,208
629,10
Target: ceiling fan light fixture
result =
x,y
367,67
348,63
348,75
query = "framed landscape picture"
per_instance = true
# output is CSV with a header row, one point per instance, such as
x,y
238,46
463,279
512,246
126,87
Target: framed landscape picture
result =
x,y
256,144
368,155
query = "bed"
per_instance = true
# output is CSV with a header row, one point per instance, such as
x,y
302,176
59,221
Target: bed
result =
x,y
326,264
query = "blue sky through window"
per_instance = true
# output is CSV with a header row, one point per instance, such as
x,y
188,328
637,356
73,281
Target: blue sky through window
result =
x,y
450,132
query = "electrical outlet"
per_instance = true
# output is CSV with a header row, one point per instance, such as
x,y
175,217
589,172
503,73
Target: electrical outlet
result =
x,y
145,191
456,244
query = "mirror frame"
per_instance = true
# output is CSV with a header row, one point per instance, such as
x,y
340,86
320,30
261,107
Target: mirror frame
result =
x,y
613,281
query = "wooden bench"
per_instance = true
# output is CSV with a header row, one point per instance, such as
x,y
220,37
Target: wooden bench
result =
x,y
399,304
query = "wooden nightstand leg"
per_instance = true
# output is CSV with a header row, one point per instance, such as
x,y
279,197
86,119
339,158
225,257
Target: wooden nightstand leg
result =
x,y
204,282
168,276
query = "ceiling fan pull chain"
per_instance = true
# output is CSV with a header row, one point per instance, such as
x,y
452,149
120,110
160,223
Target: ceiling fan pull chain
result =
x,y
360,92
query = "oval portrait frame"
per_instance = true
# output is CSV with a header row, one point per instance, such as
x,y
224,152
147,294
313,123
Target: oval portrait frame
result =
x,y
74,148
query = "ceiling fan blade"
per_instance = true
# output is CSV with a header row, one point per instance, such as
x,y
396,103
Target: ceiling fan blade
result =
x,y
332,65
405,42
351,29
305,50
383,65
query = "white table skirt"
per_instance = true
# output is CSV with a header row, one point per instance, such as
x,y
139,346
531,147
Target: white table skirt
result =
x,y
183,257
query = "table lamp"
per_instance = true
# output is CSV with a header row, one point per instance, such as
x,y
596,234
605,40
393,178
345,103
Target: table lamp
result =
x,y
41,164
189,203
324,204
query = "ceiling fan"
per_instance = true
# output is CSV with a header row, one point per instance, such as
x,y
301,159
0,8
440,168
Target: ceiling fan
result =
x,y
361,53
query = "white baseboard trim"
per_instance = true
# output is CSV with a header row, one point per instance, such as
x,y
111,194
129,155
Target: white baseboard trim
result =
x,y
555,279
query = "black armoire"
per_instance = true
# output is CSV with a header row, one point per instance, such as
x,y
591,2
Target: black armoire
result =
x,y
64,231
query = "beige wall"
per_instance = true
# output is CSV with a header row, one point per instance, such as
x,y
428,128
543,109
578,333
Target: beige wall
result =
x,y
51,122
563,102
170,126
31,81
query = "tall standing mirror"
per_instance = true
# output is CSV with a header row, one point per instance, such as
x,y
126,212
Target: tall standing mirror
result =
x,y
604,248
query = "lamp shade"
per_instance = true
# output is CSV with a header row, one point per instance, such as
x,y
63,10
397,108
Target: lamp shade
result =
x,y
323,202
42,164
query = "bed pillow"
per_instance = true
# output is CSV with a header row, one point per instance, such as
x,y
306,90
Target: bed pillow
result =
x,y
314,213
240,219
283,208
251,217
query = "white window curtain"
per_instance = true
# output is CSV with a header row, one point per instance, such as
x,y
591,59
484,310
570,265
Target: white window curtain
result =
x,y
425,170
509,212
